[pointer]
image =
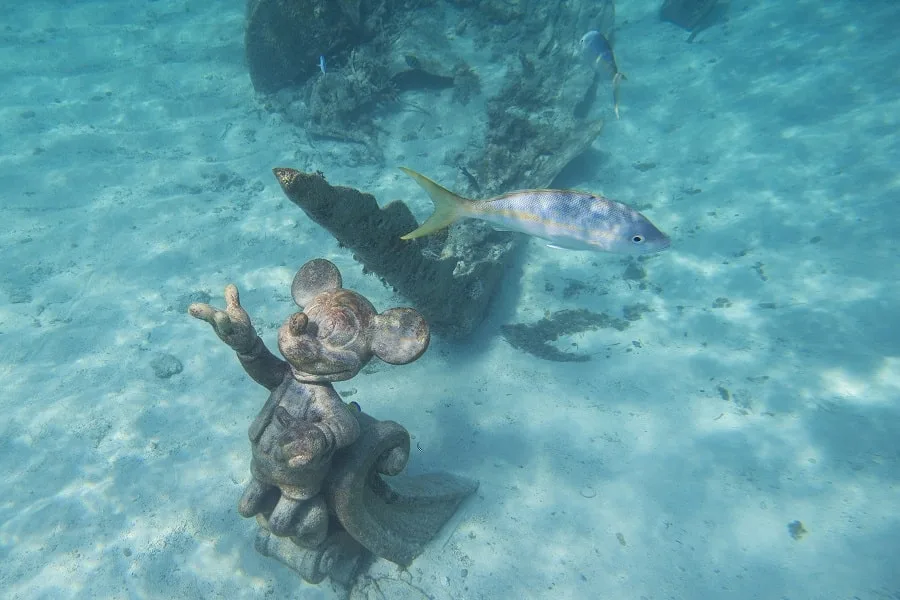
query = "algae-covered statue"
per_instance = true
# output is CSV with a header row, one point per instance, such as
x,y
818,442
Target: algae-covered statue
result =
x,y
316,489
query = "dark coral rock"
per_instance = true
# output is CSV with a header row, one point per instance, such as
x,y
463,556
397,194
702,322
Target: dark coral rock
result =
x,y
539,121
165,365
284,38
450,279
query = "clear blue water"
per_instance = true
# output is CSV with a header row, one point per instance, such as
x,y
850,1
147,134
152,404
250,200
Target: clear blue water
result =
x,y
737,439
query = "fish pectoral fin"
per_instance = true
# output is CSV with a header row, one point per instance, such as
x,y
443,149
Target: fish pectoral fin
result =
x,y
559,244
448,207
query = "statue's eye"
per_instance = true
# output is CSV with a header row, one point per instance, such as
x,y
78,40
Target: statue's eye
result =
x,y
343,329
325,327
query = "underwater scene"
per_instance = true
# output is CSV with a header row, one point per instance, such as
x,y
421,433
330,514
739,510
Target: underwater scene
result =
x,y
450,299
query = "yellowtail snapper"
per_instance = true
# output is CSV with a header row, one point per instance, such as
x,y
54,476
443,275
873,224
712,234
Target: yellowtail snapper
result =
x,y
597,48
565,218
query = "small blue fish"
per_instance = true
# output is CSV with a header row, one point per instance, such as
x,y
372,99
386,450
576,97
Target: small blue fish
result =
x,y
565,218
597,48
322,64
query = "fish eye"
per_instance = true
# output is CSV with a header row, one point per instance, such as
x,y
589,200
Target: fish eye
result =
x,y
637,239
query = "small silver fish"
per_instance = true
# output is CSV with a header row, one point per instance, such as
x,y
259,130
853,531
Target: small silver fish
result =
x,y
565,218
322,64
597,48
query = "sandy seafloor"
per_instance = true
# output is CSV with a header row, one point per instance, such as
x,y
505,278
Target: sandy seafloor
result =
x,y
135,170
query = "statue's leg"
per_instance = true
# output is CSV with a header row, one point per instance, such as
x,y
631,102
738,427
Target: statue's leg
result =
x,y
283,516
311,526
253,498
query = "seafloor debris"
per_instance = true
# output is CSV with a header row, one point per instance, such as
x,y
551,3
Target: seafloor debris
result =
x,y
535,338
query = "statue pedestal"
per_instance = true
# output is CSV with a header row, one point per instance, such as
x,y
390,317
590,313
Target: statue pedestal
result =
x,y
392,519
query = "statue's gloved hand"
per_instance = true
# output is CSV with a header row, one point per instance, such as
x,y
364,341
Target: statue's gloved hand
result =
x,y
306,449
231,325
302,444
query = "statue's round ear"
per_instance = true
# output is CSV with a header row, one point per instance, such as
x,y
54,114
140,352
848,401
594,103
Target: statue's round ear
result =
x,y
400,336
313,278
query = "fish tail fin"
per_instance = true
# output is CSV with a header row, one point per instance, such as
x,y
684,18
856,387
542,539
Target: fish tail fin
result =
x,y
448,207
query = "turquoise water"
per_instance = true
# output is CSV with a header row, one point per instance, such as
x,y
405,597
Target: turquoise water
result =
x,y
733,435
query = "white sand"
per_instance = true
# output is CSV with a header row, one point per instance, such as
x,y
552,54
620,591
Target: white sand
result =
x,y
135,169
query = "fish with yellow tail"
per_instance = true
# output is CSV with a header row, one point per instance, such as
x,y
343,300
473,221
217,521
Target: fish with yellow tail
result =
x,y
596,47
565,218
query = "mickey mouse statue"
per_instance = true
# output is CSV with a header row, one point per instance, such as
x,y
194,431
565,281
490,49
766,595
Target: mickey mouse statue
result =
x,y
316,489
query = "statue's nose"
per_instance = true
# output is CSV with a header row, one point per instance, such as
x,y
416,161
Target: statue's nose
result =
x,y
297,324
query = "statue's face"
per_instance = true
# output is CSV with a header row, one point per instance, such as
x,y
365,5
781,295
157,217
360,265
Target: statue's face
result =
x,y
330,340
